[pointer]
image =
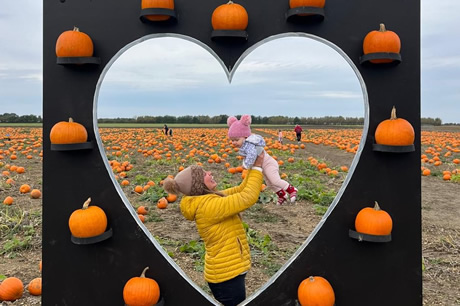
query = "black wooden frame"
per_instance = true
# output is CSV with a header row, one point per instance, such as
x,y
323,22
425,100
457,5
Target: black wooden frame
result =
x,y
361,272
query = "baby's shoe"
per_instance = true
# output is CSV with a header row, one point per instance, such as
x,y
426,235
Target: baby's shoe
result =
x,y
292,193
282,196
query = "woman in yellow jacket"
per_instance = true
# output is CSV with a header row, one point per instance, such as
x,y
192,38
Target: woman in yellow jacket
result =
x,y
216,213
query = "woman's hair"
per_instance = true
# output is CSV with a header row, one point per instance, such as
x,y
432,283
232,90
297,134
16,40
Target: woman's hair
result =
x,y
172,186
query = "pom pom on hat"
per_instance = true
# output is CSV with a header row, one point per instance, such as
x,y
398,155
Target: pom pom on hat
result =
x,y
239,128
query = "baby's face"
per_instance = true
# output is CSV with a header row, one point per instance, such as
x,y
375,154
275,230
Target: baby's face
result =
x,y
237,142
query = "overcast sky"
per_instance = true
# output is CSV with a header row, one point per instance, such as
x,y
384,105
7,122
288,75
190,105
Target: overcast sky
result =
x,y
182,78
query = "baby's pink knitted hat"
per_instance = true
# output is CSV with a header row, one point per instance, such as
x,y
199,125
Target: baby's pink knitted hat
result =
x,y
239,128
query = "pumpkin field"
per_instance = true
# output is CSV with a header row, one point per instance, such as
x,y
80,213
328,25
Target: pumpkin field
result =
x,y
141,158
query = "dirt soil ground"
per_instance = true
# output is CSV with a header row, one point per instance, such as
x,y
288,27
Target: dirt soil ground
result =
x,y
440,235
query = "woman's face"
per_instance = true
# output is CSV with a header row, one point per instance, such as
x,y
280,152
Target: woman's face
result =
x,y
209,180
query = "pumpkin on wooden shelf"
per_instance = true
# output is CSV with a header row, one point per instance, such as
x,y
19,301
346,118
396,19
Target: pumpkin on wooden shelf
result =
x,y
230,16
308,3
164,4
11,289
67,132
315,290
139,291
373,221
394,131
88,221
74,43
35,286
381,41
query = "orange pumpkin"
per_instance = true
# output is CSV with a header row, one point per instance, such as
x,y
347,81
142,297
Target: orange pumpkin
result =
x,y
381,41
25,188
373,221
87,221
142,210
11,289
162,203
312,3
139,189
35,286
230,16
68,132
171,198
35,194
394,131
315,290
8,200
141,291
165,4
74,44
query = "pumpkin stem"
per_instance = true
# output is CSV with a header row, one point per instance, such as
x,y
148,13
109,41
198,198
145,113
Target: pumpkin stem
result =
x,y
86,204
143,272
70,119
393,113
382,28
230,2
311,278
76,29
376,206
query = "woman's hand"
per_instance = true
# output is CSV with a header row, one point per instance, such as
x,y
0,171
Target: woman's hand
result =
x,y
259,160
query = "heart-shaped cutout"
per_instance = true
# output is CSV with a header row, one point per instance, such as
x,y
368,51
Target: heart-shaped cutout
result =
x,y
177,77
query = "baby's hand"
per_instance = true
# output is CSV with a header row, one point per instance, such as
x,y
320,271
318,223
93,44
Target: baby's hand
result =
x,y
259,160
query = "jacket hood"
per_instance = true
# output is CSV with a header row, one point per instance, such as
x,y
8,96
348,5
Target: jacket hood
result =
x,y
189,206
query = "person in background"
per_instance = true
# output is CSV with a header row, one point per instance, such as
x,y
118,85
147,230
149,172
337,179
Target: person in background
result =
x,y
216,214
298,132
250,146
165,127
280,136
170,132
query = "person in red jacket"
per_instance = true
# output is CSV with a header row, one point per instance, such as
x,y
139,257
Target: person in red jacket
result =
x,y
298,132
216,214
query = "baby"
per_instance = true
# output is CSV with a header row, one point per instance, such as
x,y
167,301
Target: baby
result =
x,y
250,146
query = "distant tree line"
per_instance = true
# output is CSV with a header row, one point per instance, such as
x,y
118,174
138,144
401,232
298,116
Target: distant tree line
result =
x,y
276,120
13,118
221,119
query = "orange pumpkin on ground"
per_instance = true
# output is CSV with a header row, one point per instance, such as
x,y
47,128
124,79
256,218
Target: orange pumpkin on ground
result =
x,y
141,291
87,221
394,131
139,189
35,286
66,132
141,217
165,4
381,41
74,44
171,198
314,291
8,200
373,221
142,210
162,203
11,289
25,188
230,16
35,194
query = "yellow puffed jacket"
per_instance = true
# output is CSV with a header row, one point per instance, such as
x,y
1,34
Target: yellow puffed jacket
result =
x,y
221,228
